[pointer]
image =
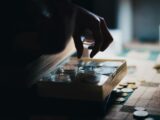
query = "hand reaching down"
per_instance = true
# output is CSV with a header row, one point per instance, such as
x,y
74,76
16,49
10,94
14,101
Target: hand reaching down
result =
x,y
86,20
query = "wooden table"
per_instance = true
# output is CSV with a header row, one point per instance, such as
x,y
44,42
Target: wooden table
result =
x,y
146,95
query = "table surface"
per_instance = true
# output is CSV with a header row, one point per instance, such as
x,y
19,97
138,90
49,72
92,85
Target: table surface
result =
x,y
141,71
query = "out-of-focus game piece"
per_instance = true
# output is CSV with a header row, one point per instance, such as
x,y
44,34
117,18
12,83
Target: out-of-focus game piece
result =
x,y
139,108
123,84
132,86
140,114
124,94
127,90
120,99
149,118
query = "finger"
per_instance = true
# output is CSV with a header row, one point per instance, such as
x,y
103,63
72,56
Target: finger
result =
x,y
105,34
98,39
78,44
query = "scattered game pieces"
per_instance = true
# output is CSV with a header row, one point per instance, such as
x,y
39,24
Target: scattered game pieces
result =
x,y
140,114
139,108
127,90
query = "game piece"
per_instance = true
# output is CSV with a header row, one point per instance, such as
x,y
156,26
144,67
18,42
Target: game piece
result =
x,y
132,86
127,90
124,94
149,118
140,114
123,84
139,108
120,99
117,91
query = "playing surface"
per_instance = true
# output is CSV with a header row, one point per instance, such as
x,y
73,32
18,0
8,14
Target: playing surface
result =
x,y
147,79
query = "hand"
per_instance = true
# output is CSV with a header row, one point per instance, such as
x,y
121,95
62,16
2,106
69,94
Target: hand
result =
x,y
100,34
47,31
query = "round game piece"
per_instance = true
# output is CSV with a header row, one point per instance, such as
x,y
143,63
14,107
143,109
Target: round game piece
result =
x,y
123,84
117,91
120,99
132,86
149,118
140,114
124,94
140,108
127,90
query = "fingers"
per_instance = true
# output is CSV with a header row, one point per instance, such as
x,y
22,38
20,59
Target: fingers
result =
x,y
98,27
105,34
78,44
97,34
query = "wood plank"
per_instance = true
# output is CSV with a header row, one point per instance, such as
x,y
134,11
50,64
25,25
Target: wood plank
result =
x,y
148,93
130,117
142,103
133,99
116,116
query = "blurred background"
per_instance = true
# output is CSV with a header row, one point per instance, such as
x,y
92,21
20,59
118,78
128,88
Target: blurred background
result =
x,y
134,24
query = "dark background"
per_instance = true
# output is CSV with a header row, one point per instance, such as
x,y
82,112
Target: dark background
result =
x,y
104,8
145,16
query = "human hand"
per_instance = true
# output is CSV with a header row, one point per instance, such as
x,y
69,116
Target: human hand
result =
x,y
47,31
86,20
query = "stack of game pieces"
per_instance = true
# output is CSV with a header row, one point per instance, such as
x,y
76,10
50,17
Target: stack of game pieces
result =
x,y
123,90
